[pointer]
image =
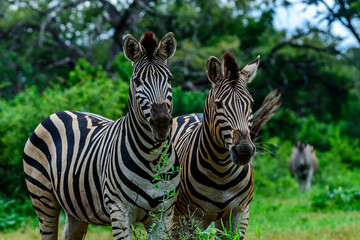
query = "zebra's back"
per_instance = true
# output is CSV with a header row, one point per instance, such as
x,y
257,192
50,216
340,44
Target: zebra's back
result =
x,y
184,127
62,162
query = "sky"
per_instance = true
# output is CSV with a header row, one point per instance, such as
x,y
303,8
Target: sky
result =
x,y
298,14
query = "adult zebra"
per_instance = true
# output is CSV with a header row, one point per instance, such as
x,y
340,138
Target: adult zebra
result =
x,y
303,165
215,149
101,171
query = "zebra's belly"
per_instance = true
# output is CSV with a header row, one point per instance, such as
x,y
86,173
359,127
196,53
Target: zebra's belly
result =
x,y
81,198
140,197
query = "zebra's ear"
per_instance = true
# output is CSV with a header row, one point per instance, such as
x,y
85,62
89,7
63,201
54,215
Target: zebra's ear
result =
x,y
213,69
167,46
132,48
248,73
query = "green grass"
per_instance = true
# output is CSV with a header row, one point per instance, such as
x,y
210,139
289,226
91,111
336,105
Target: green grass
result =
x,y
285,216
292,217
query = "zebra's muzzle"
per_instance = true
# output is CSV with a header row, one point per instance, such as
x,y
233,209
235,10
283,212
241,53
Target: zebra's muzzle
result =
x,y
160,121
242,153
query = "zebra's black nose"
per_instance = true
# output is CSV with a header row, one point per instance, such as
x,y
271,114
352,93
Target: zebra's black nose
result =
x,y
160,121
242,152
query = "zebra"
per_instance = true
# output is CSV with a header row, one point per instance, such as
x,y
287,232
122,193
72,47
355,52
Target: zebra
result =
x,y
215,149
101,171
303,165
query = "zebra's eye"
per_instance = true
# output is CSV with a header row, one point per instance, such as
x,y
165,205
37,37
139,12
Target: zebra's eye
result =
x,y
170,78
218,104
137,81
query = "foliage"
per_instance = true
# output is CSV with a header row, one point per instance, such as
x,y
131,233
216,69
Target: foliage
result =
x,y
187,102
13,212
161,179
336,198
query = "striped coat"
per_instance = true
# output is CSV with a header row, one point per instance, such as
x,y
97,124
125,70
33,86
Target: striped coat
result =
x,y
102,171
215,149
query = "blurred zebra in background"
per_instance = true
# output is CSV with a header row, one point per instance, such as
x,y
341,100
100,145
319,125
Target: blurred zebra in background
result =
x,y
102,171
215,148
303,164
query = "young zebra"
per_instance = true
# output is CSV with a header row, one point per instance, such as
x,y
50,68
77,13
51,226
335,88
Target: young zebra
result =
x,y
101,171
215,149
303,164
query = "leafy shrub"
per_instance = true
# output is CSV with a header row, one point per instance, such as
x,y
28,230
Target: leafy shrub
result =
x,y
271,167
122,67
13,212
188,102
336,198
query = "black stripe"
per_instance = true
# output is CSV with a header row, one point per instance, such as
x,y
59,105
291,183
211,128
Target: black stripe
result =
x,y
39,198
37,183
35,164
41,145
67,121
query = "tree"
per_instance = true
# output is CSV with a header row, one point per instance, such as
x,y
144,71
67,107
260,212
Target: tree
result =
x,y
43,40
347,12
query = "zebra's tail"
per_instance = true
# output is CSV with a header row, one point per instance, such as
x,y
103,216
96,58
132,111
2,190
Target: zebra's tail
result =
x,y
268,108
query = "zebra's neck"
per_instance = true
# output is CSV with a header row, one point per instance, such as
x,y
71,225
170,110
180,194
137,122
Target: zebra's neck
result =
x,y
140,141
210,151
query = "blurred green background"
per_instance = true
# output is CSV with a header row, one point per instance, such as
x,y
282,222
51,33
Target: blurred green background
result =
x,y
67,55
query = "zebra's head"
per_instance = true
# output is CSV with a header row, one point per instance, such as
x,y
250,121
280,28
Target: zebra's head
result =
x,y
302,154
229,104
150,95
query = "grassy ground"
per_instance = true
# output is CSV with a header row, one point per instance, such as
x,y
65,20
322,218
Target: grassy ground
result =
x,y
282,218
293,218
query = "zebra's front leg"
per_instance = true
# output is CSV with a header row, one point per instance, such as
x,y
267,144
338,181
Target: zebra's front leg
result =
x,y
160,226
74,228
309,179
120,222
239,219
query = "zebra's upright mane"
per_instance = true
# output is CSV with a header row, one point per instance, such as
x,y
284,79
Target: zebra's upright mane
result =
x,y
149,42
231,66
301,146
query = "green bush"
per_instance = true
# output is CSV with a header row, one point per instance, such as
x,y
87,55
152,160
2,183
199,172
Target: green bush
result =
x,y
271,167
337,198
188,102
13,212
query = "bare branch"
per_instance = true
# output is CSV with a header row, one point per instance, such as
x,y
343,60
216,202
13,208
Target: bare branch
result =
x,y
73,52
291,42
56,64
145,7
345,15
